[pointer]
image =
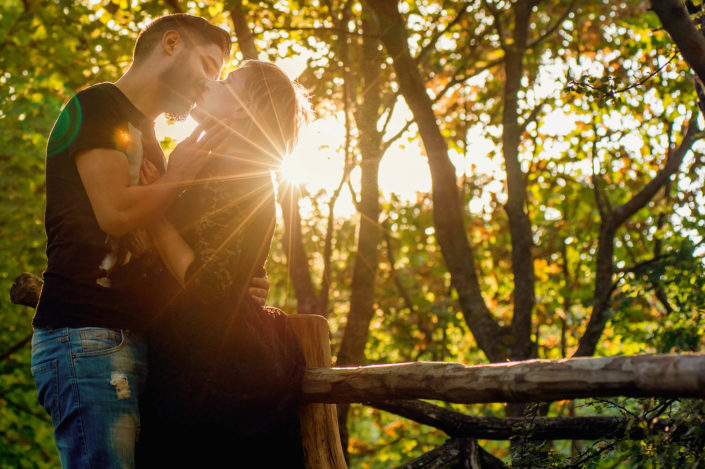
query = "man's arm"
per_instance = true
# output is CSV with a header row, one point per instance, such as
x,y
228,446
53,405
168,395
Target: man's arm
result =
x,y
120,207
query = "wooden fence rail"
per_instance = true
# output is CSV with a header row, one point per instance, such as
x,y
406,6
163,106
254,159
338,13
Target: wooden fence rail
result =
x,y
527,381
395,388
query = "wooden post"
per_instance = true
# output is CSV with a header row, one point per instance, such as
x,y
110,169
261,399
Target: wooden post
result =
x,y
319,422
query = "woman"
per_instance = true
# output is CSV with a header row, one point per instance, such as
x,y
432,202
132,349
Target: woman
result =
x,y
225,373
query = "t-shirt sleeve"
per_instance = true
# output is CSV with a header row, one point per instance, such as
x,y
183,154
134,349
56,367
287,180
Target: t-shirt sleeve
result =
x,y
89,120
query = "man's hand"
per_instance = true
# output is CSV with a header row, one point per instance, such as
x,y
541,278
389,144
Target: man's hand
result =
x,y
259,289
189,156
121,207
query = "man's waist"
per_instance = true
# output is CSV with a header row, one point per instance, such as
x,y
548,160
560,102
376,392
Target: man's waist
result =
x,y
67,303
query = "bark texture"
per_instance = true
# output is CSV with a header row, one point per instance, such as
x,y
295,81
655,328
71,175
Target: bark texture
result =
x,y
689,40
319,422
672,376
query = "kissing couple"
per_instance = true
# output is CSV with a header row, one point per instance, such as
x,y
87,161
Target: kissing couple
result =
x,y
151,343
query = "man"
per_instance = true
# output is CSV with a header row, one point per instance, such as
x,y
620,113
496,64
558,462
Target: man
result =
x,y
88,354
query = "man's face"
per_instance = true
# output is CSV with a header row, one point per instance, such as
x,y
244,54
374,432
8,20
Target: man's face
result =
x,y
185,79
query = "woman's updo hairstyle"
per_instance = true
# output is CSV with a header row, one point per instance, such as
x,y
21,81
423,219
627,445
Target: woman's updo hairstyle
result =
x,y
277,108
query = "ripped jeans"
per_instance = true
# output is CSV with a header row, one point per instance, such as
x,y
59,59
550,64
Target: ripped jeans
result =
x,y
90,380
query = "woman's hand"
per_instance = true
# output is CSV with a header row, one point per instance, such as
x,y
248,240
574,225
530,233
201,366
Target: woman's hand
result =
x,y
259,289
189,156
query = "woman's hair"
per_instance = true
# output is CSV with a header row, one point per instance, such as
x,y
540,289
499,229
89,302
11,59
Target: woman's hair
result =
x,y
277,108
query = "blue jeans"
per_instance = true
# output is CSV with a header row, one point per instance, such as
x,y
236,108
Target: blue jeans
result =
x,y
89,380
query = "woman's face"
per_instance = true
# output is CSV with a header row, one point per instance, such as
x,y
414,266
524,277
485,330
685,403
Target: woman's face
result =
x,y
222,100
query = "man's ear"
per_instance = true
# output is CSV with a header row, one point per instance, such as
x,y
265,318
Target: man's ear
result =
x,y
171,42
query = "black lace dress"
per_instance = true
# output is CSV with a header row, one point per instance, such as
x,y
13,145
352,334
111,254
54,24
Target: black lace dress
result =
x,y
224,373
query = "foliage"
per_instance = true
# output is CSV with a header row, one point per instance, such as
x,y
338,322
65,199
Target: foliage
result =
x,y
602,99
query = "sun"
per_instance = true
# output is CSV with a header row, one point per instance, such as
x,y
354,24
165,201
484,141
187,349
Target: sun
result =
x,y
318,159
292,170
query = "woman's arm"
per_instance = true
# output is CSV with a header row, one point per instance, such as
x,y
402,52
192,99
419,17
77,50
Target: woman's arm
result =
x,y
176,254
174,251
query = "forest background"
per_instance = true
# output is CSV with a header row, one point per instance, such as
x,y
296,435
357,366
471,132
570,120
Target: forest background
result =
x,y
484,181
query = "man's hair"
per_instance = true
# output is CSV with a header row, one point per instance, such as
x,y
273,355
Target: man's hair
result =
x,y
278,108
193,29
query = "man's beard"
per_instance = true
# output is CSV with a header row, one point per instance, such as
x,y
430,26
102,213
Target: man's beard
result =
x,y
173,80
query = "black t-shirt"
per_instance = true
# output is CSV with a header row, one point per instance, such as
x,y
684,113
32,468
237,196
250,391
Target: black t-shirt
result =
x,y
93,279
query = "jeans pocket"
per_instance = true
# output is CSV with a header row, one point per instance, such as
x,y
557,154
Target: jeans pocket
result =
x,y
46,380
96,341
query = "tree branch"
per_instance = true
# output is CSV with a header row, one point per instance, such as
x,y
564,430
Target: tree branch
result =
x,y
673,162
456,452
437,34
393,271
497,23
689,40
533,116
174,5
19,345
387,143
455,424
552,29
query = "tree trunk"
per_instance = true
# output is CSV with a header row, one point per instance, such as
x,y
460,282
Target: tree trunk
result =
x,y
448,210
365,264
611,220
352,348
685,34
245,38
299,272
519,223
